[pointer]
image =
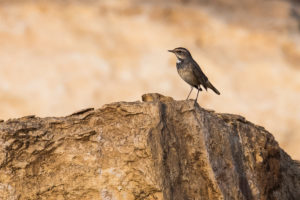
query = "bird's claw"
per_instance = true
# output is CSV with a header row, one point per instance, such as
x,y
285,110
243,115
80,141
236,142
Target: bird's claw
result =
x,y
195,103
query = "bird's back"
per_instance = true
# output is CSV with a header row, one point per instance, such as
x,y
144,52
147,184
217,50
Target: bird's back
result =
x,y
203,78
198,73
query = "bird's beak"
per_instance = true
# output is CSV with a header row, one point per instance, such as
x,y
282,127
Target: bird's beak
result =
x,y
171,51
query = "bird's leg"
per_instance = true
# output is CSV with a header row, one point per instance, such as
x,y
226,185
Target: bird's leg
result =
x,y
189,93
197,96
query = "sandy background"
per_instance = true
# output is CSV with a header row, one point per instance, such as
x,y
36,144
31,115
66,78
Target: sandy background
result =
x,y
57,57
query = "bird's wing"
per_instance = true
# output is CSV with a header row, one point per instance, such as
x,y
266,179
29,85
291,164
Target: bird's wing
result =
x,y
199,74
203,79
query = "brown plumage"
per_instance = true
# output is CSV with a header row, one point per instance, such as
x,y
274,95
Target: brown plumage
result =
x,y
190,71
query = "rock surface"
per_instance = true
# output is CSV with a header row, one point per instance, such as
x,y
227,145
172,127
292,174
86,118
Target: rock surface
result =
x,y
62,55
156,149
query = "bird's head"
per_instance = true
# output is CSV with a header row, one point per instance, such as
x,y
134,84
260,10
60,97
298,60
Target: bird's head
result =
x,y
181,53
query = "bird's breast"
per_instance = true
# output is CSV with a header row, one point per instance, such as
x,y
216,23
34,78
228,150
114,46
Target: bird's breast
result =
x,y
186,73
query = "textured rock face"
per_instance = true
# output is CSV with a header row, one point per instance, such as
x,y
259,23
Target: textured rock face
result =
x,y
156,149
102,51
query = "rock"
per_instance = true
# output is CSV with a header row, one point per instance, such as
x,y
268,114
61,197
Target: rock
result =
x,y
249,49
157,149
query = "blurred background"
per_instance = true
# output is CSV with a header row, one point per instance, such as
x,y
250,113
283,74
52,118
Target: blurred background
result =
x,y
59,56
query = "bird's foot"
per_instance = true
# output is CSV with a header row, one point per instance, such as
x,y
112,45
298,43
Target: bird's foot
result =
x,y
195,103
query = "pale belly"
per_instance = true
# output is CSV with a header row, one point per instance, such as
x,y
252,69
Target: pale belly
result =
x,y
187,76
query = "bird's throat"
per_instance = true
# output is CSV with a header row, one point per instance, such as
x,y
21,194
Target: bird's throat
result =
x,y
178,61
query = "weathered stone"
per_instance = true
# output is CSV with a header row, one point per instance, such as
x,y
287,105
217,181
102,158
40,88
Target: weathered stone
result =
x,y
158,149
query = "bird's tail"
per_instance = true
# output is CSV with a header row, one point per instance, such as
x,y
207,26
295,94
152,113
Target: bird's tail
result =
x,y
209,85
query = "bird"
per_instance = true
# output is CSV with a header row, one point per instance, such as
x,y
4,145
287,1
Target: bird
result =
x,y
189,70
